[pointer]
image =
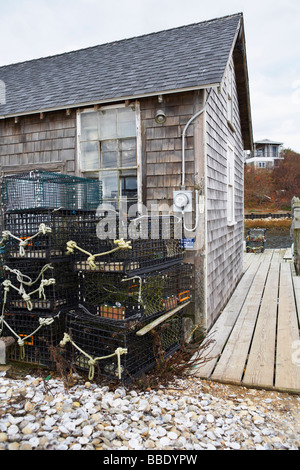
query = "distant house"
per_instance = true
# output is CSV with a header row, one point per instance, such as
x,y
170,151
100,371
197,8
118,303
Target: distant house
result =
x,y
163,112
266,154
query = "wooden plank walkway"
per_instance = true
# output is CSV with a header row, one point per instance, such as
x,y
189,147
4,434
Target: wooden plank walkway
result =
x,y
256,340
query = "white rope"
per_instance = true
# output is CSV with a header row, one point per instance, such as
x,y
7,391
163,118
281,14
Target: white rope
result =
x,y
140,300
21,341
27,298
43,230
21,291
121,245
20,276
92,361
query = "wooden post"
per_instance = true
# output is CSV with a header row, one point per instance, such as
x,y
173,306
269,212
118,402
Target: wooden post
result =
x,y
296,232
5,343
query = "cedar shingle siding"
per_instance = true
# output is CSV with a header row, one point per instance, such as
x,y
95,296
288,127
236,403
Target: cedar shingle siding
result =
x,y
48,142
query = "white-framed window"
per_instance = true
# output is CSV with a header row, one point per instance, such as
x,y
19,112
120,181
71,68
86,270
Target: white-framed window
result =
x,y
230,186
108,150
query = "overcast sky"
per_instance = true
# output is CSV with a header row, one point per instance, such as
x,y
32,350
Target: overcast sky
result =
x,y
30,29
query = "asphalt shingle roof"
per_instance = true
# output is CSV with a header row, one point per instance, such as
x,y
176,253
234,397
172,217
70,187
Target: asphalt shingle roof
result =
x,y
181,58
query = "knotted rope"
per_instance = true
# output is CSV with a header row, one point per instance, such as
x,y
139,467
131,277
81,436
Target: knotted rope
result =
x,y
23,279
92,361
121,245
43,230
21,341
21,290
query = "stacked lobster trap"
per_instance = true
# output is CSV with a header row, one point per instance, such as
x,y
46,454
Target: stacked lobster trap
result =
x,y
39,282
131,294
110,291
256,240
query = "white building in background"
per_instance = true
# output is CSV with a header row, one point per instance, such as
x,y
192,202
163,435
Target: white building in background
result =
x,y
266,154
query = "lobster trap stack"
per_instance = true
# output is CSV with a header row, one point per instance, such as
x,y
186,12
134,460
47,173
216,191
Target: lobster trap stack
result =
x,y
132,293
256,240
108,290
39,283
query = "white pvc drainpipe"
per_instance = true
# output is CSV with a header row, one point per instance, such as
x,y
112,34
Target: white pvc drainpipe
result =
x,y
183,139
183,165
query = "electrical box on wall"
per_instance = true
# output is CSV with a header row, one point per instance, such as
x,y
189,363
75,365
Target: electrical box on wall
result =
x,y
183,201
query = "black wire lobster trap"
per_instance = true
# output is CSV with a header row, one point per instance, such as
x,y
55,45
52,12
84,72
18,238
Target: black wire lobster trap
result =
x,y
36,286
39,189
99,347
127,246
34,336
117,297
41,233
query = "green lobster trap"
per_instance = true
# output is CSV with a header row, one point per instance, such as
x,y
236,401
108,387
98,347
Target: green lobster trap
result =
x,y
39,189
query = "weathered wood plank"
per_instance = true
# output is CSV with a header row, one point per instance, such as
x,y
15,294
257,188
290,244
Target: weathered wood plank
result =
x,y
287,372
260,366
225,323
296,284
231,365
160,320
247,261
232,336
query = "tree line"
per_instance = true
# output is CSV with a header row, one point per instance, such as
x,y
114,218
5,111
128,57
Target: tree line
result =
x,y
273,189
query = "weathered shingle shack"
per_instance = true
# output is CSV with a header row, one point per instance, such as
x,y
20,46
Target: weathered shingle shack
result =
x,y
164,112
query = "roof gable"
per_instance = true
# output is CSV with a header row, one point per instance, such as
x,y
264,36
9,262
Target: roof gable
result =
x,y
188,57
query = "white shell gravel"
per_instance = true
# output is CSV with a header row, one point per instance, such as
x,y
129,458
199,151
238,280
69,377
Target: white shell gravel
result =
x,y
189,414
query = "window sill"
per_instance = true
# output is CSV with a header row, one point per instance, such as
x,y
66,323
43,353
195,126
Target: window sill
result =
x,y
232,223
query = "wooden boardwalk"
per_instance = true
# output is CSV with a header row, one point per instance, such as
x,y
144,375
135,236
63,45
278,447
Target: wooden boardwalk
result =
x,y
256,339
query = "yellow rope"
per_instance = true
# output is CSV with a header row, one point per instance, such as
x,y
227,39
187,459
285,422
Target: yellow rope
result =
x,y
92,361
43,229
121,245
21,341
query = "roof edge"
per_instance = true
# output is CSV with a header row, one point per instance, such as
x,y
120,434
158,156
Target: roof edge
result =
x,y
240,61
108,100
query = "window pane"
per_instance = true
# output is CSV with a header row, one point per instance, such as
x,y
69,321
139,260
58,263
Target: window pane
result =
x,y
128,159
109,184
109,154
128,184
90,155
89,126
126,122
108,124
128,153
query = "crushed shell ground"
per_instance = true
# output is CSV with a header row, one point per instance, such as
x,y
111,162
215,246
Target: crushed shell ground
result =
x,y
187,414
